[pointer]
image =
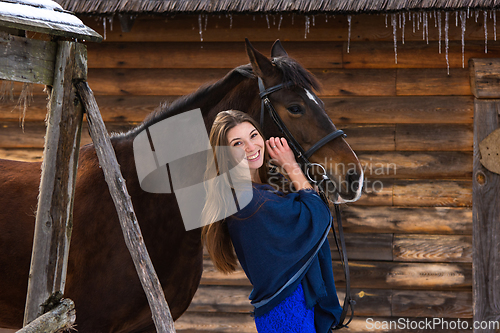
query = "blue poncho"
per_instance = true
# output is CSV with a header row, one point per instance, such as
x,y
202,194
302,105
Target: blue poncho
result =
x,y
274,236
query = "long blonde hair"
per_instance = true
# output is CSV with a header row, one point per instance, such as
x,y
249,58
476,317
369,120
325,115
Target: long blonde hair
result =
x,y
215,233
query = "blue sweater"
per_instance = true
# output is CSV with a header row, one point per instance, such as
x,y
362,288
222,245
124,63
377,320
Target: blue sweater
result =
x,y
273,237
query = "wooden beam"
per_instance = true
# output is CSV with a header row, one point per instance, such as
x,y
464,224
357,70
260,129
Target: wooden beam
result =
x,y
431,82
60,318
403,220
485,77
486,222
27,60
128,221
55,203
381,274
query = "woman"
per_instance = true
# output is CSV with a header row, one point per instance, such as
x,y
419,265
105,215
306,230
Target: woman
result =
x,y
279,239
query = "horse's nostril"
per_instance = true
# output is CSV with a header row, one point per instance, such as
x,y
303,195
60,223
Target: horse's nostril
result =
x,y
352,178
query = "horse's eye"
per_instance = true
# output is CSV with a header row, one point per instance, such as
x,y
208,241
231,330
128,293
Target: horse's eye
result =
x,y
296,109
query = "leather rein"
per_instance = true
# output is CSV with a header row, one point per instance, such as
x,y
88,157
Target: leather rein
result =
x,y
303,159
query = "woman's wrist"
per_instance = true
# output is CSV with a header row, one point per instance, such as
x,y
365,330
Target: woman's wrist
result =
x,y
297,177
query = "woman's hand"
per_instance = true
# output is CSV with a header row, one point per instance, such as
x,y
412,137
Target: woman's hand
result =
x,y
283,156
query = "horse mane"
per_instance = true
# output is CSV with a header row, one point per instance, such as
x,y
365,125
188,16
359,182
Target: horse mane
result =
x,y
291,70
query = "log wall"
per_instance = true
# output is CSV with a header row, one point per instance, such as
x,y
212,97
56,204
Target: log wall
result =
x,y
409,238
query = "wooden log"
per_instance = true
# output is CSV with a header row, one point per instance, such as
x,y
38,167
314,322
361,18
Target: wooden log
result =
x,y
370,137
400,110
364,246
376,192
484,77
437,304
364,27
160,311
436,193
335,82
380,274
431,82
53,225
359,246
402,275
198,322
212,55
424,220
432,248
415,165
38,59
414,54
342,110
409,137
26,155
369,302
12,136
434,137
59,319
486,222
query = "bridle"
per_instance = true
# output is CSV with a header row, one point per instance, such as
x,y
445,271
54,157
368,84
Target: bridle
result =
x,y
303,159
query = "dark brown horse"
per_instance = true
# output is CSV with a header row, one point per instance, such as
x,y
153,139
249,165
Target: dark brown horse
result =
x,y
101,277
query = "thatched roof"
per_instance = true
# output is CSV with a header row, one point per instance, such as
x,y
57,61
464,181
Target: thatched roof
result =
x,y
107,7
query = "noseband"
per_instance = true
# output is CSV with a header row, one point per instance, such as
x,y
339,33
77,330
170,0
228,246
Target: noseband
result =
x,y
303,157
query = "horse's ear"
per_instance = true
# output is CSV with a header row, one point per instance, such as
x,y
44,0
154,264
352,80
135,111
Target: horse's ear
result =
x,y
278,50
260,64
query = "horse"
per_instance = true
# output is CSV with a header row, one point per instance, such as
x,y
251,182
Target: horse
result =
x,y
101,278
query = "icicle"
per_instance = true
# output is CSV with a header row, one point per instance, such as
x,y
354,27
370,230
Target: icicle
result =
x,y
349,18
200,29
111,23
326,18
468,12
279,24
419,19
426,26
104,25
394,30
485,14
267,19
274,20
456,18
230,21
495,24
477,15
446,28
306,28
413,15
399,20
439,31
314,20
403,29
386,20
206,22
435,19
462,25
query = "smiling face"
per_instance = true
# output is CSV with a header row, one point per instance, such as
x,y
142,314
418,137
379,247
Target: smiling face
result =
x,y
246,137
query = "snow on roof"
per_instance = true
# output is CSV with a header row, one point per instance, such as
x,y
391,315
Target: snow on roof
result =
x,y
44,16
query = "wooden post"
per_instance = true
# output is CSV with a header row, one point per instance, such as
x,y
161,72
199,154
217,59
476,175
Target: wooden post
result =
x,y
128,221
55,202
486,198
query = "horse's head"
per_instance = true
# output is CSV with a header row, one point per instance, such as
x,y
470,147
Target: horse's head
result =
x,y
304,115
